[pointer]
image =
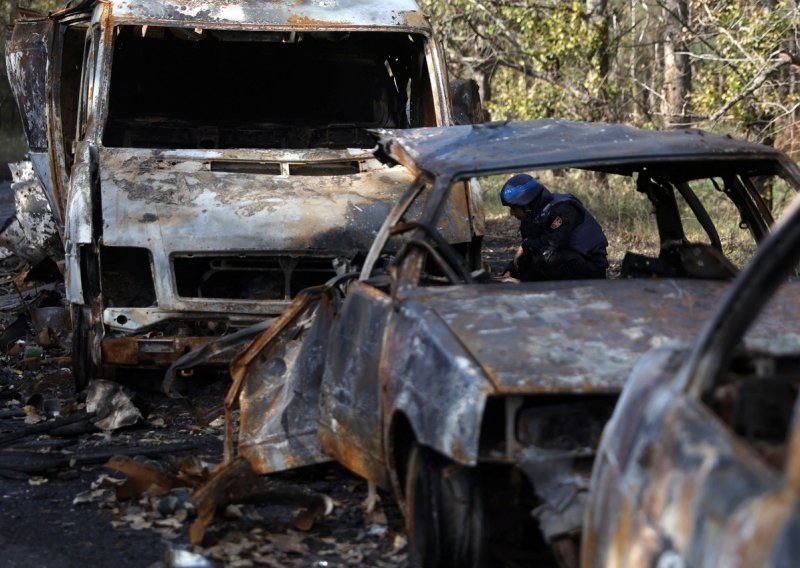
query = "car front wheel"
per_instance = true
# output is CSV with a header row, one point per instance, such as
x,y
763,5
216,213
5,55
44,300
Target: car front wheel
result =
x,y
444,512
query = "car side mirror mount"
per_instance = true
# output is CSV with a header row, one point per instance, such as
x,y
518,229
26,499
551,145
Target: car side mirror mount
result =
x,y
467,102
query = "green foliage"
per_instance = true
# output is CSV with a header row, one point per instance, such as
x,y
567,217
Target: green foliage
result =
x,y
607,59
546,54
738,42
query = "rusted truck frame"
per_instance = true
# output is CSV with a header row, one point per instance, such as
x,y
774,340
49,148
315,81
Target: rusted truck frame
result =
x,y
208,160
473,399
699,464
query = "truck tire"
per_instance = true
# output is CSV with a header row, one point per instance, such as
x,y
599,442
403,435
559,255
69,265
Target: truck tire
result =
x,y
84,369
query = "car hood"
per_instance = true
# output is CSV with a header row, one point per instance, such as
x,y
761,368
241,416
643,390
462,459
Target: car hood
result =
x,y
207,201
573,336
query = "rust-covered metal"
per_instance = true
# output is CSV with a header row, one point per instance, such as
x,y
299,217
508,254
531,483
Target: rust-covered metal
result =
x,y
698,465
187,215
32,232
276,433
268,440
482,149
515,381
250,14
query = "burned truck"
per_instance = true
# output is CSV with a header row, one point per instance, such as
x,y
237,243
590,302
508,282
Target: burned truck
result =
x,y
205,161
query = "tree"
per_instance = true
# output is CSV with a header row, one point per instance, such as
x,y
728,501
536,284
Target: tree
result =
x,y
677,67
664,63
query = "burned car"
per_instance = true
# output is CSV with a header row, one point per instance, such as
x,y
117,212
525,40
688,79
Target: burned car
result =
x,y
697,466
480,403
207,160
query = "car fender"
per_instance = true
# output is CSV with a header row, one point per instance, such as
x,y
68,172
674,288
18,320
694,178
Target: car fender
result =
x,y
430,378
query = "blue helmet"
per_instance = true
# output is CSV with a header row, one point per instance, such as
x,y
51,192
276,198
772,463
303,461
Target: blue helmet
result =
x,y
521,190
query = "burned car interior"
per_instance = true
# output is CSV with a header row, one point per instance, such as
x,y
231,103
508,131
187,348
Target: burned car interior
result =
x,y
755,391
684,209
181,88
755,396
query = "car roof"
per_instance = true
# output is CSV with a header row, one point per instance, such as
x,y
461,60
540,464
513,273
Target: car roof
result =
x,y
313,15
499,147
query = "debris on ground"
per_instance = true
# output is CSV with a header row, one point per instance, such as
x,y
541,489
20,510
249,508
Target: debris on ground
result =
x,y
113,405
147,481
158,475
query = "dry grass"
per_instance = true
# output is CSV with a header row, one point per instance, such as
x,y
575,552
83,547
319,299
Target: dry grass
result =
x,y
626,215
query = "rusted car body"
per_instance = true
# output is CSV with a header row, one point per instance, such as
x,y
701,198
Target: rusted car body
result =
x,y
208,160
699,464
474,399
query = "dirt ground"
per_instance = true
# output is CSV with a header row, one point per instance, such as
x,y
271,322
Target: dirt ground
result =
x,y
62,506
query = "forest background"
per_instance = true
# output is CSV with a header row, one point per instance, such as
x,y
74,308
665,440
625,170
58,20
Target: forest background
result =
x,y
731,67
726,66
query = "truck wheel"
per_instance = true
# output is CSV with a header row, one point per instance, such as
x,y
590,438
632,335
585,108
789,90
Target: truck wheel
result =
x,y
84,368
444,512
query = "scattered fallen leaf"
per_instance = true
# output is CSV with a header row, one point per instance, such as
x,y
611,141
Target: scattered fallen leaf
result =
x,y
36,480
289,542
90,496
156,422
171,522
142,478
400,541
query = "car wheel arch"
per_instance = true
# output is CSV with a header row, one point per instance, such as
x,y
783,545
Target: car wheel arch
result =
x,y
401,437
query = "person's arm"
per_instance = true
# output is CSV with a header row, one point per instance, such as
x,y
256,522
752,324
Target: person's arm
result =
x,y
564,218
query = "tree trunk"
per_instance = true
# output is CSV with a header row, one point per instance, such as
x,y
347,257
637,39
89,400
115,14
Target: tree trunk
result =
x,y
677,69
598,18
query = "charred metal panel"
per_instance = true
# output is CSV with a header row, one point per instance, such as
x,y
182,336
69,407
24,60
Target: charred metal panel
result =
x,y
553,143
79,225
313,14
32,233
41,167
350,409
27,53
431,378
280,395
272,345
178,203
569,337
682,511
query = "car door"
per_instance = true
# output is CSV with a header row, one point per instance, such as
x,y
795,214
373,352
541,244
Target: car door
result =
x,y
28,49
45,61
350,403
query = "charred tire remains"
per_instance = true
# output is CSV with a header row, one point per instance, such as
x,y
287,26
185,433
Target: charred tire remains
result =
x,y
84,368
444,512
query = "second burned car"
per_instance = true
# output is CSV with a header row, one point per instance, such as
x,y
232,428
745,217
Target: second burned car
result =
x,y
478,403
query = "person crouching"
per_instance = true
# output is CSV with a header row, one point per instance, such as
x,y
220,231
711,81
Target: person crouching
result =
x,y
560,238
